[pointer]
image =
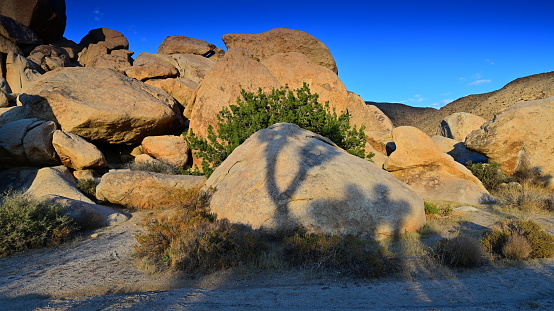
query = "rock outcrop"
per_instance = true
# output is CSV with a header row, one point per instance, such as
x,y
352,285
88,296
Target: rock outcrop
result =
x,y
112,38
16,37
50,57
520,137
282,40
284,178
20,72
45,17
77,100
434,175
222,85
146,190
460,124
187,45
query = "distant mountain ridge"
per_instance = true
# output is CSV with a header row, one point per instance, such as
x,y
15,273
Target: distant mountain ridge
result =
x,y
486,105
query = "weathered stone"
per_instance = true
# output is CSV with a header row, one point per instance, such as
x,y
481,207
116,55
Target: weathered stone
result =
x,y
19,72
73,98
284,178
126,54
17,33
186,45
519,137
116,39
167,148
11,114
380,141
4,100
27,142
222,85
42,182
110,61
282,40
88,54
460,124
434,175
7,46
87,175
183,90
77,153
458,150
45,17
146,190
4,87
50,57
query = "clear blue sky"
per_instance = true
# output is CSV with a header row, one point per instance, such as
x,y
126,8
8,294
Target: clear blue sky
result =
x,y
421,53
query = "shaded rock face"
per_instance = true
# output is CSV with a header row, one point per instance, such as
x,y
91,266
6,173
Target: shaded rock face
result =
x,y
76,152
42,182
77,100
434,175
521,136
146,190
50,57
222,85
17,34
458,151
460,124
88,215
113,38
27,142
45,17
20,72
282,40
284,178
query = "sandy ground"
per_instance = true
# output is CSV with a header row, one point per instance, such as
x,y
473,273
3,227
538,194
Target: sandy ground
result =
x,y
99,274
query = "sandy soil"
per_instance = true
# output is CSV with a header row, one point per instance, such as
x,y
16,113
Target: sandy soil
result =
x,y
99,274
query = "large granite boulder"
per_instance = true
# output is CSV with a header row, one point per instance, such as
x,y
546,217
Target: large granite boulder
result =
x,y
458,125
192,67
182,90
15,37
45,17
221,87
285,178
167,148
457,150
27,142
101,105
187,45
367,115
521,136
433,174
282,40
77,153
148,66
146,190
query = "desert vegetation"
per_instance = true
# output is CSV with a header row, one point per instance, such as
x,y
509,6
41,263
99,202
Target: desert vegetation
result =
x,y
256,111
27,223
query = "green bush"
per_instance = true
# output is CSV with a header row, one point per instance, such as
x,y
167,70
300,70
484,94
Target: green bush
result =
x,y
256,111
489,174
27,223
542,243
430,208
88,187
461,251
347,254
192,240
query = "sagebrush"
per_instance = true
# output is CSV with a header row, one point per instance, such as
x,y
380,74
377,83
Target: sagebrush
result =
x,y
27,223
256,111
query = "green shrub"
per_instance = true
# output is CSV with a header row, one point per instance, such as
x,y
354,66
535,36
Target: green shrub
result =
x,y
348,254
430,208
542,243
88,187
27,223
256,111
489,174
193,240
461,251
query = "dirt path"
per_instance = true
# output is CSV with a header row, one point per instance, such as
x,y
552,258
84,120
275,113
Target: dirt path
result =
x,y
99,274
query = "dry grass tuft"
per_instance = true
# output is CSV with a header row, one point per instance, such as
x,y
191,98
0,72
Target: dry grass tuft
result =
x,y
461,251
517,247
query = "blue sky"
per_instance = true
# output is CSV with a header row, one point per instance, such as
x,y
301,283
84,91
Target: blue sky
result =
x,y
420,53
